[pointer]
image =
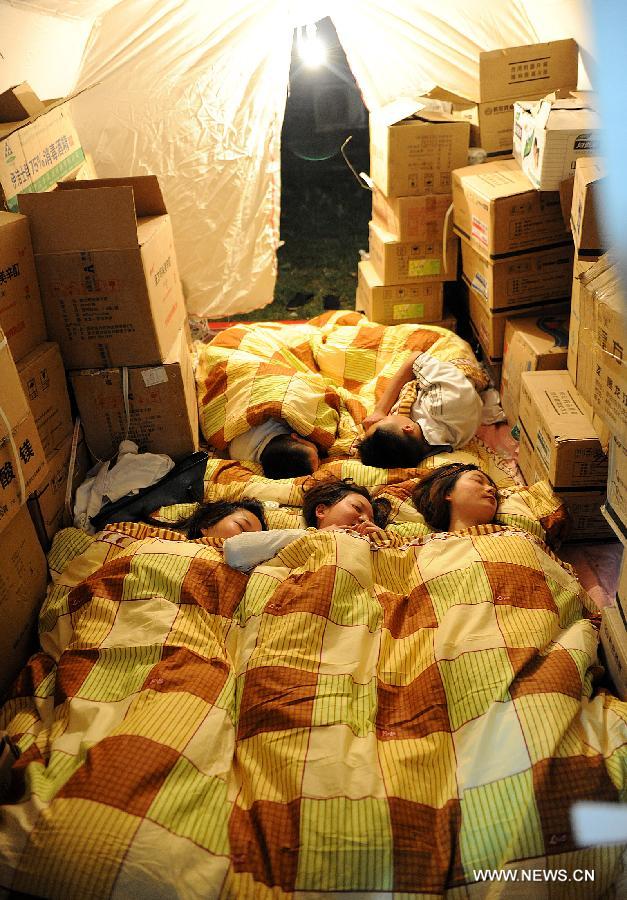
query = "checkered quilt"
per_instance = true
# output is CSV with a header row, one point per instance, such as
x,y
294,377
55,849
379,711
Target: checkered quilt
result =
x,y
350,719
322,377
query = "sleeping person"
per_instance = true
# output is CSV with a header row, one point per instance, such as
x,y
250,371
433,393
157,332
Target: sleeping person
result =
x,y
332,505
280,451
218,518
456,496
444,415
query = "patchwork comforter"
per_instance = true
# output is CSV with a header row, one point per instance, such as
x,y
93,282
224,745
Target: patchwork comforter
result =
x,y
321,377
411,717
391,719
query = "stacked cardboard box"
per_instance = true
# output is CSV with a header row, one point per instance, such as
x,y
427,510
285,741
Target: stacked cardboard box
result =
x,y
505,76
113,303
559,444
585,219
23,573
516,252
39,145
551,134
532,344
413,149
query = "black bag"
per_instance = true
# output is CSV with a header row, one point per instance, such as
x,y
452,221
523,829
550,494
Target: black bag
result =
x,y
183,484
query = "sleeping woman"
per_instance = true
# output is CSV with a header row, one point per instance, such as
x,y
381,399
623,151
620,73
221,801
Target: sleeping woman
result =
x,y
456,496
219,518
331,505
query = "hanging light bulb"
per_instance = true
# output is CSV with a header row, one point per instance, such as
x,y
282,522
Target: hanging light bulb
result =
x,y
312,50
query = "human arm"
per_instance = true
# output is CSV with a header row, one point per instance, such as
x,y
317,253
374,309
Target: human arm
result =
x,y
392,389
251,548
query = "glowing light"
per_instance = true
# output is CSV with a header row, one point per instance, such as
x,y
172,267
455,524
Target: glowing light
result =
x,y
312,50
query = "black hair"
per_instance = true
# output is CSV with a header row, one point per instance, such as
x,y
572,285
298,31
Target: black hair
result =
x,y
429,495
210,513
283,457
332,490
389,449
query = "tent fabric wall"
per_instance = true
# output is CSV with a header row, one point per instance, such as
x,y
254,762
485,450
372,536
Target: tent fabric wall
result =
x,y
195,92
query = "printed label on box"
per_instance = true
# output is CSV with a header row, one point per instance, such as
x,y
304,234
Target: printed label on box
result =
x,y
480,285
154,376
542,449
479,231
423,267
408,310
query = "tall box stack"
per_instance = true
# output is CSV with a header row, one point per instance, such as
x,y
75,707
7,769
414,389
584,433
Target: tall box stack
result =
x,y
23,573
559,444
113,302
528,72
516,253
413,149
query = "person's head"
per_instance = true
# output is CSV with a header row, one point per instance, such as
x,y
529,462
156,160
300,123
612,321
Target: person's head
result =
x,y
223,518
395,441
340,502
289,456
456,496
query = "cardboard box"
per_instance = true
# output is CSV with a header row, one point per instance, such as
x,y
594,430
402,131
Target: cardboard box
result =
x,y
614,640
520,279
530,345
520,72
610,312
107,271
162,403
563,437
497,209
584,506
551,134
23,578
47,505
615,509
580,330
408,262
492,124
394,304
413,149
587,520
609,392
43,380
21,312
584,213
411,218
493,367
37,152
490,324
20,102
22,461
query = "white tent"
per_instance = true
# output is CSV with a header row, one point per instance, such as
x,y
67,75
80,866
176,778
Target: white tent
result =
x,y
195,90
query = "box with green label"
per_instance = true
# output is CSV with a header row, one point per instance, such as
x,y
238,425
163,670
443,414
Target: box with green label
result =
x,y
394,304
406,262
38,151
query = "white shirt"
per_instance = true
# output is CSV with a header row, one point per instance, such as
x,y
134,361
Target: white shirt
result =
x,y
447,406
251,444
